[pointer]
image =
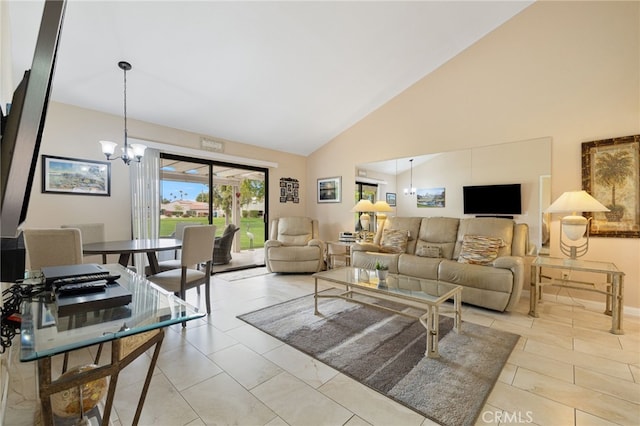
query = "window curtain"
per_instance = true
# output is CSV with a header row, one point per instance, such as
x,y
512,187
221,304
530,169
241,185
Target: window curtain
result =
x,y
145,201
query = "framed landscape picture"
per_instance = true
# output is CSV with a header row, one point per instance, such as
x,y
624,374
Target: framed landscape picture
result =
x,y
391,199
611,174
430,197
329,190
61,175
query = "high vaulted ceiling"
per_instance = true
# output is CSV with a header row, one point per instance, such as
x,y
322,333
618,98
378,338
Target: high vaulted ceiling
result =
x,y
285,75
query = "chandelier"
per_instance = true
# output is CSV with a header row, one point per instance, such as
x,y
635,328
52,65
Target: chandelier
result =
x,y
130,152
411,190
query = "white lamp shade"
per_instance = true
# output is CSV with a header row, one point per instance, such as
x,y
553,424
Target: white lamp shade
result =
x,y
382,206
108,147
574,202
138,149
363,206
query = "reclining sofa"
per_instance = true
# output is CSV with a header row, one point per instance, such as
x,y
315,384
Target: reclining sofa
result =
x,y
483,255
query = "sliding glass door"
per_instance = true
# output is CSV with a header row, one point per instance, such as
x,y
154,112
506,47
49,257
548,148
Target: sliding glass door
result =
x,y
205,191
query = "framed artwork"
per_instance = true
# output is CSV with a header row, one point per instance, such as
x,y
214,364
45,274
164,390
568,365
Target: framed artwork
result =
x,y
329,190
62,175
430,197
611,174
391,199
289,190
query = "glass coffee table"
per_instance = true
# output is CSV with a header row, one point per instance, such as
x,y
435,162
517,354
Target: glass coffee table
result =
x,y
423,294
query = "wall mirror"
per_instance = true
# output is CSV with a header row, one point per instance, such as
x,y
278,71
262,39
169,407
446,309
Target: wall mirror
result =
x,y
446,173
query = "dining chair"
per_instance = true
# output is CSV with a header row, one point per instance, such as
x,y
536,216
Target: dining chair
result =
x,y
53,247
175,263
91,233
197,249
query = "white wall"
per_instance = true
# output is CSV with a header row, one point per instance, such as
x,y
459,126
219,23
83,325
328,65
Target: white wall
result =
x,y
565,70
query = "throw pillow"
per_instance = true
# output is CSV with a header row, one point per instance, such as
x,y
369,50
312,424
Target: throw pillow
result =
x,y
394,241
424,250
479,250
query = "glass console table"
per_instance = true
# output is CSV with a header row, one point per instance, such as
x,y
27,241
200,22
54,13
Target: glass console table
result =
x,y
614,287
132,329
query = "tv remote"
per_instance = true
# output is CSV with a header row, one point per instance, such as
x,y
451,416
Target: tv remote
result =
x,y
85,279
82,288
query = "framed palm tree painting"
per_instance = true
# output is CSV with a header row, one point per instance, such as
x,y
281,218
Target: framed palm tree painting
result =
x,y
611,174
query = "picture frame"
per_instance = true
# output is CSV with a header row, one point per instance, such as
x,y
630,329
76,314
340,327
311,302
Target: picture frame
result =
x,y
611,174
430,197
289,190
63,175
330,190
391,198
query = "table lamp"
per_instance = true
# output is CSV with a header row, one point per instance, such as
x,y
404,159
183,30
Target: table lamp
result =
x,y
575,226
364,207
381,207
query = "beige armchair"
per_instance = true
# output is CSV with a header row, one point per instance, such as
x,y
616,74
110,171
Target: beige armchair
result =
x,y
294,246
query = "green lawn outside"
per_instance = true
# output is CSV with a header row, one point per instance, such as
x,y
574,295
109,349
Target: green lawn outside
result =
x,y
254,225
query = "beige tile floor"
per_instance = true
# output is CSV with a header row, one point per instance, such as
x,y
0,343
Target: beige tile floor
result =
x,y
567,369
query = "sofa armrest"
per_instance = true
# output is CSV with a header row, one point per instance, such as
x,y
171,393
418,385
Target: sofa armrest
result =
x,y
316,243
516,265
365,247
272,243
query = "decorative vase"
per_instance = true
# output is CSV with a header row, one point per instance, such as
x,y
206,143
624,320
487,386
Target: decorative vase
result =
x,y
382,274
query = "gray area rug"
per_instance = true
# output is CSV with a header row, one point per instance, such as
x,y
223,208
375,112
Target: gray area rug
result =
x,y
386,352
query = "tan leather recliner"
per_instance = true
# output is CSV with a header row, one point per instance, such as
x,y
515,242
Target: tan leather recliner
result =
x,y
294,246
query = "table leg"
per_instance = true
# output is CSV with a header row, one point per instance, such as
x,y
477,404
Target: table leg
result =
x,y
44,381
533,292
617,305
432,324
123,259
608,307
154,267
315,298
457,305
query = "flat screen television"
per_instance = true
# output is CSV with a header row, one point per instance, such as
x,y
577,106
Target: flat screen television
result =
x,y
24,122
492,199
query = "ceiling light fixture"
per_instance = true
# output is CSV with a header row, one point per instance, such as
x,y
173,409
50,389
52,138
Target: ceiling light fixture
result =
x,y
411,190
130,152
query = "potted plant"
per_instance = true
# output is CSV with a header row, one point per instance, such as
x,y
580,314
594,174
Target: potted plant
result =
x,y
381,270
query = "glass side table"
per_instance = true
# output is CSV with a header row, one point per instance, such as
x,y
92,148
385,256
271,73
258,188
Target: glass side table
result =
x,y
131,329
614,291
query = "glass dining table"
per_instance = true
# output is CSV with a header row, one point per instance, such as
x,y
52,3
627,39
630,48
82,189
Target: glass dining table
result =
x,y
125,248
131,328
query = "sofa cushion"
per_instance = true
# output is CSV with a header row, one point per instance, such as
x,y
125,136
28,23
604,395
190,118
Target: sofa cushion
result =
x,y
479,250
489,227
425,249
476,276
394,241
419,267
439,232
410,224
295,231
